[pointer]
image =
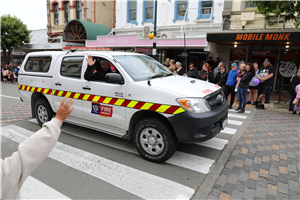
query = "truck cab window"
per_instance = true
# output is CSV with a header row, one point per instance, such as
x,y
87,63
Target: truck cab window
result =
x,y
71,67
98,70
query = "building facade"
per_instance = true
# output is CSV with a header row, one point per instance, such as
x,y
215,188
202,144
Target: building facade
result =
x,y
61,12
175,20
247,37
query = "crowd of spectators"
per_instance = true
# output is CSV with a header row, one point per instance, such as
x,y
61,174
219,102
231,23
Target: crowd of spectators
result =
x,y
9,74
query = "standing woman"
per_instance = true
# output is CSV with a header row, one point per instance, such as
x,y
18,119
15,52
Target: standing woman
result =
x,y
217,69
180,71
206,74
294,82
243,87
252,87
221,77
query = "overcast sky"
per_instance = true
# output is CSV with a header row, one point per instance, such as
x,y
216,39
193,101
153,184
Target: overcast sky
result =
x,y
33,13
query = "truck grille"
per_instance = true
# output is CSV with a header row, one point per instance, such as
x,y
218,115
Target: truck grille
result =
x,y
216,99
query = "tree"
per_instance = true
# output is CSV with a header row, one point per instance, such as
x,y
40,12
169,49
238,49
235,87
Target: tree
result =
x,y
13,34
291,9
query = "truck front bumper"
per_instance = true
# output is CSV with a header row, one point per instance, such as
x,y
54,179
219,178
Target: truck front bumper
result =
x,y
198,127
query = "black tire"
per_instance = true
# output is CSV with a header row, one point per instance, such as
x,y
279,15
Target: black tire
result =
x,y
43,111
161,143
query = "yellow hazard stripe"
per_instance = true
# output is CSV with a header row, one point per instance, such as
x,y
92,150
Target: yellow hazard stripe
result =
x,y
162,108
119,102
107,100
179,110
132,104
96,98
146,106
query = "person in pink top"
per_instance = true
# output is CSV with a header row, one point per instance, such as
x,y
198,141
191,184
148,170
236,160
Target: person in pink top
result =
x,y
296,101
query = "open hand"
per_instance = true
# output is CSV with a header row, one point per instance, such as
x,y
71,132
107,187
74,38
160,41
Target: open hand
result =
x,y
90,60
64,109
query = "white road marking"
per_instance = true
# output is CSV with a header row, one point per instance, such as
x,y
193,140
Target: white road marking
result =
x,y
237,116
194,163
229,130
35,189
189,161
142,184
234,122
215,143
233,110
10,97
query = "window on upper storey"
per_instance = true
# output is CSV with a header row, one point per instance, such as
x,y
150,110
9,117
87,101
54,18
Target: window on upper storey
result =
x,y
131,12
148,11
205,9
67,12
78,10
250,5
180,10
56,14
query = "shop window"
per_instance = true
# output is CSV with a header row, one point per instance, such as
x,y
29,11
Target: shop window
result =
x,y
237,55
56,14
205,9
78,10
71,67
132,12
67,12
180,10
148,11
250,5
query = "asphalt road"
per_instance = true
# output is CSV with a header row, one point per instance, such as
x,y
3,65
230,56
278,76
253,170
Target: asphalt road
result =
x,y
86,164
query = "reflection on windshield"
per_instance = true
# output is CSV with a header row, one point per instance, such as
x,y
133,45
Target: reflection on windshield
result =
x,y
141,67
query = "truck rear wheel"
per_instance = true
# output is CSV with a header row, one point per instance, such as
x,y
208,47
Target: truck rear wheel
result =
x,y
43,111
154,140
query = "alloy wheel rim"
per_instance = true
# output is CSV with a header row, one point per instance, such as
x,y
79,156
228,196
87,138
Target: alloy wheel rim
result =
x,y
152,141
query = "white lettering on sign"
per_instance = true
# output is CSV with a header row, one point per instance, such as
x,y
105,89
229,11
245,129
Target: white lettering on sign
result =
x,y
117,41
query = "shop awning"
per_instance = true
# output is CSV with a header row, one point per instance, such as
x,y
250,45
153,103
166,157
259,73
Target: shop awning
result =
x,y
80,31
255,38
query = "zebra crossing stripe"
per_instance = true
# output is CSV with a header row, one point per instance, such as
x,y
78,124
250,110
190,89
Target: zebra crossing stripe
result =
x,y
139,183
35,189
229,130
234,122
246,111
237,116
215,143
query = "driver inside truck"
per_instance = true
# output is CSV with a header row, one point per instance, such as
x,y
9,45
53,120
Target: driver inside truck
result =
x,y
96,70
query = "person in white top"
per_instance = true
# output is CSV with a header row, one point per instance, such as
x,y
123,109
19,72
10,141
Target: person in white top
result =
x,y
31,153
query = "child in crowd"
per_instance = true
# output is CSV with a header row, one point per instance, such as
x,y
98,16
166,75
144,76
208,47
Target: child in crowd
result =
x,y
11,76
296,101
240,73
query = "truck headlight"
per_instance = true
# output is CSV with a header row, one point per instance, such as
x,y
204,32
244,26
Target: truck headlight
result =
x,y
194,105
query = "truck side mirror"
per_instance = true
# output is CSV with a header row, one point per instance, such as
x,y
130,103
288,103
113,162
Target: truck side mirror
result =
x,y
114,78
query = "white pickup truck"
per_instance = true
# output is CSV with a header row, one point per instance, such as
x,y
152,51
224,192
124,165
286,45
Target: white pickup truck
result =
x,y
139,100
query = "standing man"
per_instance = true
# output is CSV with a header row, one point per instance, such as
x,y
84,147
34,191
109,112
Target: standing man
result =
x,y
265,75
231,83
211,63
19,66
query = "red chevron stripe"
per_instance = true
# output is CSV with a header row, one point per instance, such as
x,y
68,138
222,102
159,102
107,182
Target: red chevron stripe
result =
x,y
90,97
123,104
101,99
25,88
56,92
49,91
113,101
64,93
172,109
35,89
72,95
139,105
81,96
42,90
154,107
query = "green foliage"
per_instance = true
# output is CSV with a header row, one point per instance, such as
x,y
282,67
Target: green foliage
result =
x,y
291,9
13,33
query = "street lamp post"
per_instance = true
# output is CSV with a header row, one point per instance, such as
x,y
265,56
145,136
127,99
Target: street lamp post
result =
x,y
155,18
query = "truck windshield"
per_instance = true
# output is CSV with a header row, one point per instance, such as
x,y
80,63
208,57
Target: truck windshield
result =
x,y
141,67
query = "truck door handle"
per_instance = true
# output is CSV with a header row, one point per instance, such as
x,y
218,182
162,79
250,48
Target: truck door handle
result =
x,y
58,84
86,88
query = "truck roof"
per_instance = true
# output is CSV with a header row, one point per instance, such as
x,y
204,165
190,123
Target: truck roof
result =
x,y
110,53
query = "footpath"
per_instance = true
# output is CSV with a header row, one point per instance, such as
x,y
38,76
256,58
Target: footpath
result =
x,y
264,161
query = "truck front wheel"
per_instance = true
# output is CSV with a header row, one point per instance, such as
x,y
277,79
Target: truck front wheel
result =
x,y
154,140
43,111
